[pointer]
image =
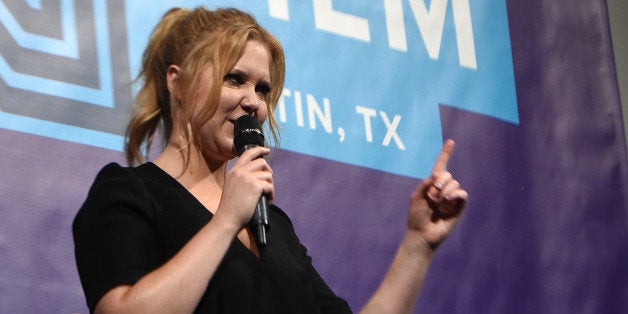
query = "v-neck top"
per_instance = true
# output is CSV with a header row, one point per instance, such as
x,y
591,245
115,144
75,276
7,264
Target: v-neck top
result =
x,y
136,218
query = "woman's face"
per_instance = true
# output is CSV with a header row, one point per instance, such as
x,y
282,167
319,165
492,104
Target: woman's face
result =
x,y
244,91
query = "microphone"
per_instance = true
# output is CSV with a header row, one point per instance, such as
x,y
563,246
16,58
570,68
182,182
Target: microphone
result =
x,y
247,134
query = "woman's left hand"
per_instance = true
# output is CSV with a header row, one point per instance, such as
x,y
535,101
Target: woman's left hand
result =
x,y
438,201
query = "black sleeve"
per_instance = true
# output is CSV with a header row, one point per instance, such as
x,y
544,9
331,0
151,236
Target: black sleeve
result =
x,y
113,239
326,300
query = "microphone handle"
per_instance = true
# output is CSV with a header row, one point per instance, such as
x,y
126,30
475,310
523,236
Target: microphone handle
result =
x,y
259,221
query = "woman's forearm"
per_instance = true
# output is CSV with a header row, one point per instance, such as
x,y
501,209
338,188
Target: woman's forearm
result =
x,y
179,284
400,287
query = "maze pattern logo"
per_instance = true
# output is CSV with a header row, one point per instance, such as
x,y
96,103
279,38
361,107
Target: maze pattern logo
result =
x,y
58,75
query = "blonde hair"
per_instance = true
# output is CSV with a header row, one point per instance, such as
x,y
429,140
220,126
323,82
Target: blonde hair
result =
x,y
191,39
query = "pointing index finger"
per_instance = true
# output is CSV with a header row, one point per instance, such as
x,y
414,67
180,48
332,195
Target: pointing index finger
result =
x,y
440,164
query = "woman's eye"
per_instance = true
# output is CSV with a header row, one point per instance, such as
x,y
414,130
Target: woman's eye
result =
x,y
238,80
262,89
233,79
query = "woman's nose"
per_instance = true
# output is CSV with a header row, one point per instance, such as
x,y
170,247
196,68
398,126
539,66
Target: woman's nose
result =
x,y
250,101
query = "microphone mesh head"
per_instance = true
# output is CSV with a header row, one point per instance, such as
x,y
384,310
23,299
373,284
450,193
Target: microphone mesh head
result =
x,y
247,131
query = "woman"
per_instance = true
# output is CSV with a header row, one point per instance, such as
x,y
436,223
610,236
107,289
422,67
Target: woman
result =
x,y
170,235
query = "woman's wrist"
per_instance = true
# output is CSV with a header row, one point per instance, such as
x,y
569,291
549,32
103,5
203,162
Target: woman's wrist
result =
x,y
228,226
414,243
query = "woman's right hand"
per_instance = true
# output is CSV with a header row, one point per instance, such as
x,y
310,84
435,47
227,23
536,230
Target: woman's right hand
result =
x,y
249,177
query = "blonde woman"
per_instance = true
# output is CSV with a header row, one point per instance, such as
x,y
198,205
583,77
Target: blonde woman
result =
x,y
171,235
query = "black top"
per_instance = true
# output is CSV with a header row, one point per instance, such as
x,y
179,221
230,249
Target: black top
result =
x,y
135,219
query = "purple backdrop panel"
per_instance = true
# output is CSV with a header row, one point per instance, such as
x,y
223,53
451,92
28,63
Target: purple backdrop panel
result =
x,y
43,183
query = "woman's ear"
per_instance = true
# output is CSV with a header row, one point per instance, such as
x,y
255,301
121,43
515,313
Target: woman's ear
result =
x,y
172,78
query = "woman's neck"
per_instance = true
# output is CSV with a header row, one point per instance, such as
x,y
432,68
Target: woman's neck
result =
x,y
200,177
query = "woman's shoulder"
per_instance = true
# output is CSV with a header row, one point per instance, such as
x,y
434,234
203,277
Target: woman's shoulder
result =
x,y
114,185
281,214
115,175
280,220
115,171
